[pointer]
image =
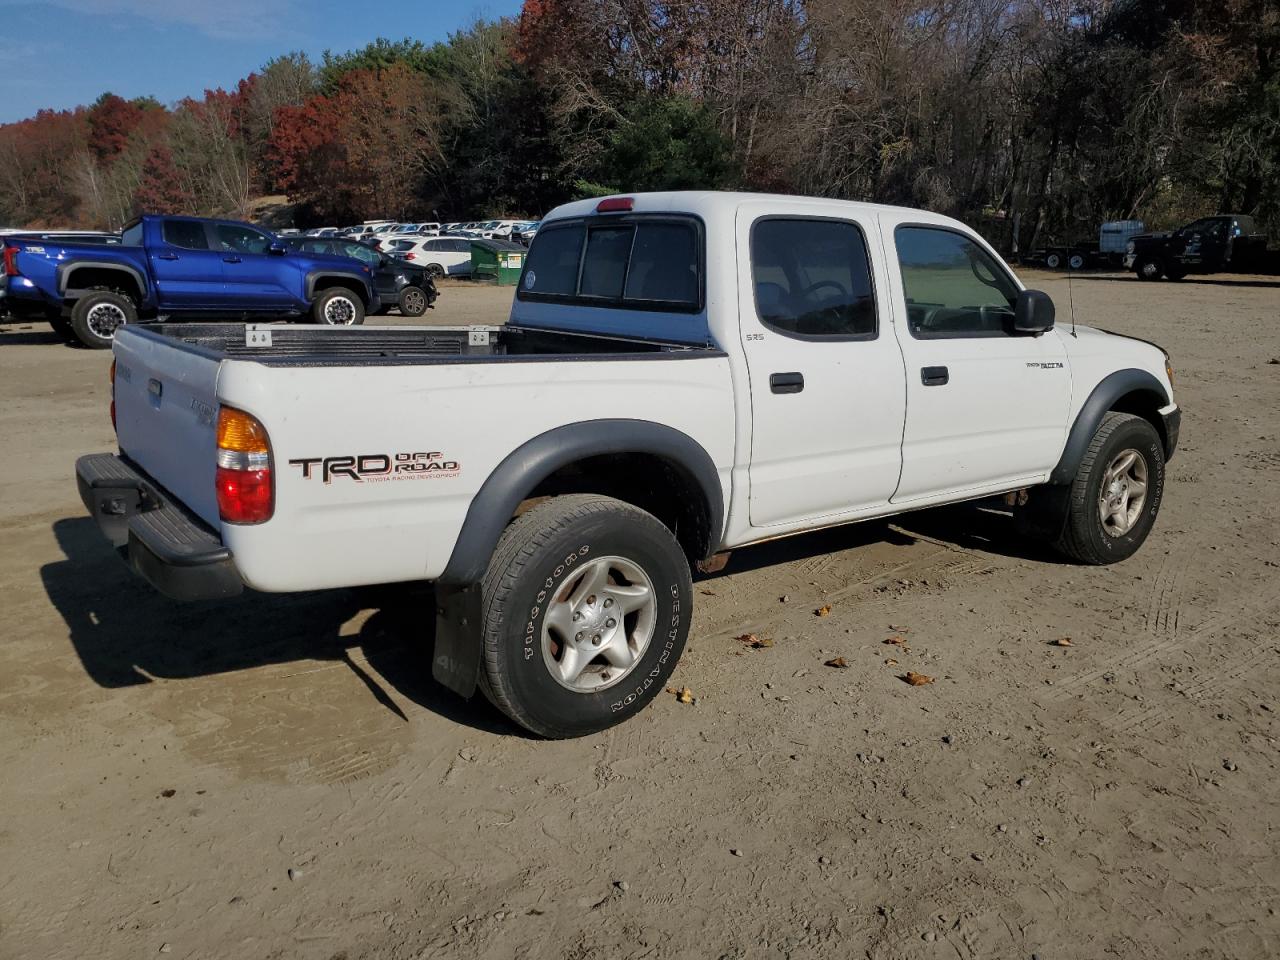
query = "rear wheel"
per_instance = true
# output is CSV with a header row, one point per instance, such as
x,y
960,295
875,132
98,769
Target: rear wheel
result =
x,y
587,604
98,314
1075,261
435,270
1053,261
413,301
1116,493
338,307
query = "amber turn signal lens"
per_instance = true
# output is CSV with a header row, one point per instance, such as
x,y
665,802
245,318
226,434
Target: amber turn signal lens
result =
x,y
240,432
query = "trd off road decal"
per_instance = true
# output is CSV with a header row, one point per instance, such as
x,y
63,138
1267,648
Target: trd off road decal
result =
x,y
378,467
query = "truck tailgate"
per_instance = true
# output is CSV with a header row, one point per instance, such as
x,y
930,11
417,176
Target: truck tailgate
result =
x,y
166,414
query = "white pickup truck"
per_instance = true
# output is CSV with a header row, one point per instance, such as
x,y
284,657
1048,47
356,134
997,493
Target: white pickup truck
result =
x,y
681,374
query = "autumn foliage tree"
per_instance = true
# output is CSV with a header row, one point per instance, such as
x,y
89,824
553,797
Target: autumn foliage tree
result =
x,y
365,149
1032,119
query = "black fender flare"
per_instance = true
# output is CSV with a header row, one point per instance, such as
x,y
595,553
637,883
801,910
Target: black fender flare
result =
x,y
1100,400
365,283
533,461
65,270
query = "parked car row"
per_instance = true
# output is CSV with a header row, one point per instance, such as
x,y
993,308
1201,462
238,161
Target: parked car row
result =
x,y
520,231
163,267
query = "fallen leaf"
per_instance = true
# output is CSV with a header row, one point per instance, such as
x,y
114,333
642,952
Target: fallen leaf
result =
x,y
754,642
1061,642
891,662
823,611
839,662
708,593
916,679
897,641
684,696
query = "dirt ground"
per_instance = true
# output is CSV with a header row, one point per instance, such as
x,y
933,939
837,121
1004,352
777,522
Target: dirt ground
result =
x,y
279,776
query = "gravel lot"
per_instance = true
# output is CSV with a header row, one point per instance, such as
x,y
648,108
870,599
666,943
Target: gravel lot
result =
x,y
279,776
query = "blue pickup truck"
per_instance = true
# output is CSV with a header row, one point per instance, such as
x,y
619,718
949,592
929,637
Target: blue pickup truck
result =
x,y
179,266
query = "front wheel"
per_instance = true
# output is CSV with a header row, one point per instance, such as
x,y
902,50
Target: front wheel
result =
x,y
1149,268
1116,494
338,307
587,603
98,314
1075,261
413,301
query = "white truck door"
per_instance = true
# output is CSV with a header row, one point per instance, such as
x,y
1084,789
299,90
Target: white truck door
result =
x,y
827,388
986,409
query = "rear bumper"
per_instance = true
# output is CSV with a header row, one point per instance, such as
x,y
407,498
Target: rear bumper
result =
x,y
157,537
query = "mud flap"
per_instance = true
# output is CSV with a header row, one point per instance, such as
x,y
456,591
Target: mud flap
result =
x,y
456,662
1043,516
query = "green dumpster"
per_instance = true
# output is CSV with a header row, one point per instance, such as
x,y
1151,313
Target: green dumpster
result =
x,y
497,260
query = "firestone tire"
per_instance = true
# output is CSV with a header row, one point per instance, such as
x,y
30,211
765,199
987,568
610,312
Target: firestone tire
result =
x,y
1108,519
98,314
557,660
338,307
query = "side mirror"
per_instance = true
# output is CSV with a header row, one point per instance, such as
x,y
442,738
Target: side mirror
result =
x,y
277,249
1033,313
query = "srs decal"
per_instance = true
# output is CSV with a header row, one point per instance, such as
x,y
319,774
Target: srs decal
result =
x,y
378,467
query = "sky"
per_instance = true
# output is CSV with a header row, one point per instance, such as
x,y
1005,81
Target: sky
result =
x,y
62,53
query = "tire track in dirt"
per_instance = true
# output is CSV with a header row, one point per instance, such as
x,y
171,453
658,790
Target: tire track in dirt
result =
x,y
1255,612
1163,620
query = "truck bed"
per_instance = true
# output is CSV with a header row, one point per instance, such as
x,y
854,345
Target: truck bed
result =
x,y
294,345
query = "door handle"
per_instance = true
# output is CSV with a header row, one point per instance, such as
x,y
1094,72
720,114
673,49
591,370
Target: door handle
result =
x,y
166,256
934,376
231,260
786,382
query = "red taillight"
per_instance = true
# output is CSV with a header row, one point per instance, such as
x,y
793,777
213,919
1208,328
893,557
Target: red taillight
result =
x,y
615,204
408,256
243,478
11,262
244,496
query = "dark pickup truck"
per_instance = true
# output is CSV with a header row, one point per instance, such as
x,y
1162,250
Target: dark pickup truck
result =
x,y
1229,241
168,266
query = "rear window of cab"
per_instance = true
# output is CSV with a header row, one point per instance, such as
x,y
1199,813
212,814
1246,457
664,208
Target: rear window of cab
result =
x,y
637,262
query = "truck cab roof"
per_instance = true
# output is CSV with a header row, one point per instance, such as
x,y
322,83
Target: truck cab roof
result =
x,y
670,286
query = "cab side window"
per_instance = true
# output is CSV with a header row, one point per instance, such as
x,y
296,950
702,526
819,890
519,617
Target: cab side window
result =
x,y
238,239
953,287
812,279
188,234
